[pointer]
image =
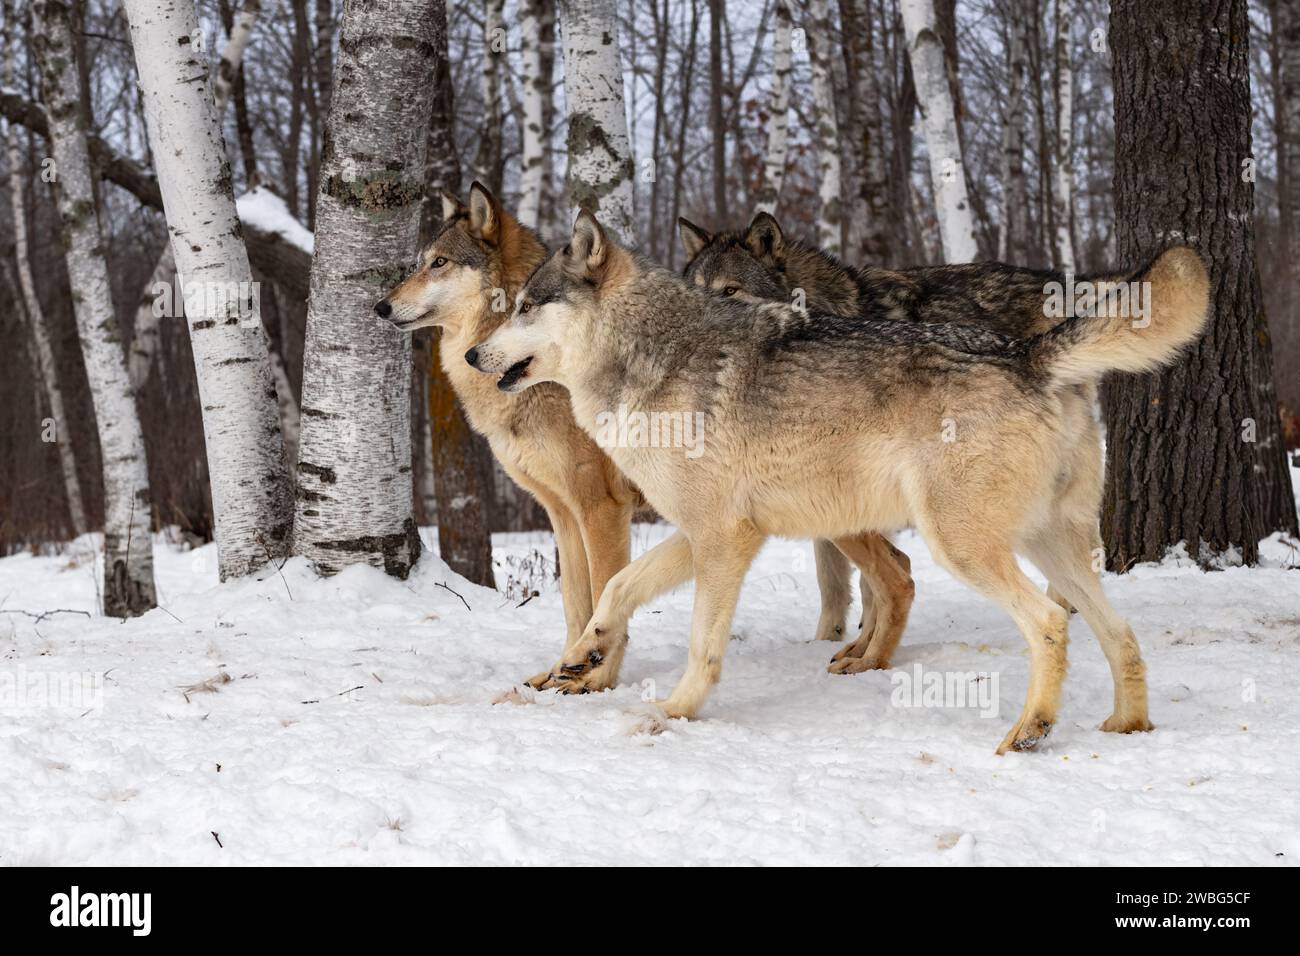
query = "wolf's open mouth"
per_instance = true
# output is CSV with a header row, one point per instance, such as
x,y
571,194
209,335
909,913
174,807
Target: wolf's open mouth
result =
x,y
513,374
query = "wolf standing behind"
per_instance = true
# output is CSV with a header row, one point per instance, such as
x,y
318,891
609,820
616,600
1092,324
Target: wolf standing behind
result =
x,y
825,427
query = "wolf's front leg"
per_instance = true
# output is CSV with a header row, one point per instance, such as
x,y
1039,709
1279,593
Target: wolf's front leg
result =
x,y
721,560
586,665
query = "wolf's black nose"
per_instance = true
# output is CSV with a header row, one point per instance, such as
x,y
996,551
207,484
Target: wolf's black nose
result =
x,y
472,357
383,308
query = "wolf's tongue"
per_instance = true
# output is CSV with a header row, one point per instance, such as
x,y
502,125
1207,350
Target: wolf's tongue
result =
x,y
514,373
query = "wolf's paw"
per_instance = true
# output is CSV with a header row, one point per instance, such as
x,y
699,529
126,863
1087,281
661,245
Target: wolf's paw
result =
x,y
856,665
1027,734
1116,724
829,629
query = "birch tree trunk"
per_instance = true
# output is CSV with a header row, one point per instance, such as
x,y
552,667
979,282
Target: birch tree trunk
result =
x,y
1014,237
925,50
41,343
1064,194
600,157
826,136
536,87
128,546
145,337
354,460
778,116
251,494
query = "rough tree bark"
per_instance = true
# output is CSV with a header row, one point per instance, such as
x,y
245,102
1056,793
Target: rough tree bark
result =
x,y
1064,194
925,50
717,128
487,164
251,493
462,483
683,118
1013,239
826,136
536,88
128,547
44,348
877,246
778,110
1183,462
354,458
600,157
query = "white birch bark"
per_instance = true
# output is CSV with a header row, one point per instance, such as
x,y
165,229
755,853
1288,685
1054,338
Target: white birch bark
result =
x,y
128,545
600,157
956,224
1064,139
42,346
354,457
251,494
232,54
146,338
826,136
778,119
535,88
1013,238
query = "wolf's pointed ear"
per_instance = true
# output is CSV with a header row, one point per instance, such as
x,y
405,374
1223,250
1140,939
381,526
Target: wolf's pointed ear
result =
x,y
764,238
588,247
451,206
693,237
484,213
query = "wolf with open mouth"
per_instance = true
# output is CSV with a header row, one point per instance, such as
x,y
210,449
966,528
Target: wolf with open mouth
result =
x,y
828,427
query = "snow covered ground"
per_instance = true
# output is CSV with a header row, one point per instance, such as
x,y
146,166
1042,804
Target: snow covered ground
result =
x,y
350,720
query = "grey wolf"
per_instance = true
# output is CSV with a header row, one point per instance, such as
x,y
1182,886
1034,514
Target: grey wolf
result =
x,y
465,283
759,264
826,427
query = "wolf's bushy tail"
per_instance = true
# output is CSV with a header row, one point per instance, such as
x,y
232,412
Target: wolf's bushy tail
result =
x,y
1177,291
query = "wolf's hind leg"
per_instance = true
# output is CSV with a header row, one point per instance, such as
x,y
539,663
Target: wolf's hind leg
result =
x,y
886,571
660,569
833,581
964,546
1063,553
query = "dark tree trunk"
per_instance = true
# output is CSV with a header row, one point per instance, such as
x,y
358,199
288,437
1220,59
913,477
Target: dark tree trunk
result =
x,y
461,463
716,124
1186,455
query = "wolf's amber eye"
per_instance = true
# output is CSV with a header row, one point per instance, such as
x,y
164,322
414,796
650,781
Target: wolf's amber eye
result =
x,y
525,308
730,290
438,263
